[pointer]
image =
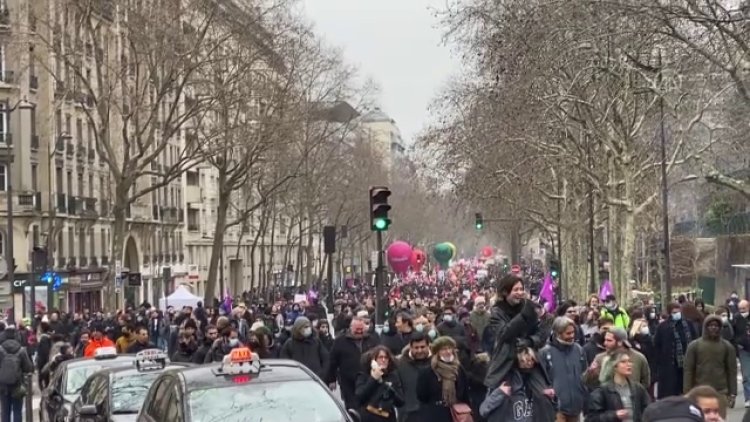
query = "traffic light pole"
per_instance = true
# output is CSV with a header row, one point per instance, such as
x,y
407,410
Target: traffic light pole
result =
x,y
379,281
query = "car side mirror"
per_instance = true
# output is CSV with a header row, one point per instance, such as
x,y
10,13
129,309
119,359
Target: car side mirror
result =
x,y
88,410
354,415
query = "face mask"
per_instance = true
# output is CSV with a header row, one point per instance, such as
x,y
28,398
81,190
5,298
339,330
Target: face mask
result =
x,y
644,331
307,332
419,328
288,327
677,316
734,296
652,315
448,318
448,360
386,329
432,334
744,314
234,341
724,319
611,306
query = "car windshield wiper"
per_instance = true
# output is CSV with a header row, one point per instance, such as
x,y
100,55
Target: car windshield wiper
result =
x,y
124,412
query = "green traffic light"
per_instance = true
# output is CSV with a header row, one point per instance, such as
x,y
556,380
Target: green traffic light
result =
x,y
381,224
554,273
479,226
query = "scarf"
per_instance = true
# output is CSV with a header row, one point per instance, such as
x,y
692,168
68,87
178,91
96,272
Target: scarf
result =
x,y
679,349
447,374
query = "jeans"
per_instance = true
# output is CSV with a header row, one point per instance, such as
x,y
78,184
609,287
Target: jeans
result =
x,y
9,404
745,368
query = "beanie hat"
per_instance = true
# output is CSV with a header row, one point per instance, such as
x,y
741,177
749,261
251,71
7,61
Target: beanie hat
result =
x,y
442,343
257,325
673,409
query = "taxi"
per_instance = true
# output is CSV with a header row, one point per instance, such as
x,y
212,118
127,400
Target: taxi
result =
x,y
242,388
66,382
116,394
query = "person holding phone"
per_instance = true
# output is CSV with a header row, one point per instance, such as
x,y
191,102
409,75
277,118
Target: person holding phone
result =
x,y
378,388
618,398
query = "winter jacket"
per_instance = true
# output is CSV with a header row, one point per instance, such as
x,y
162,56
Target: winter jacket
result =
x,y
711,361
11,346
510,327
94,344
308,351
526,403
408,371
605,401
565,363
386,394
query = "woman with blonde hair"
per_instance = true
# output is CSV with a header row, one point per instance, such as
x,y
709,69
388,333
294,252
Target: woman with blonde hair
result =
x,y
617,398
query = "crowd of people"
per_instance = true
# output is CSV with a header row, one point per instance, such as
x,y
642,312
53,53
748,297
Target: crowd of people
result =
x,y
444,354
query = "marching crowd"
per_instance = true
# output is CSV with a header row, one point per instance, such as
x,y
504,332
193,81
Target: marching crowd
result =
x,y
444,354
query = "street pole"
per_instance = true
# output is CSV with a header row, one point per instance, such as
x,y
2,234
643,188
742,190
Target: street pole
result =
x,y
329,282
592,260
379,281
666,281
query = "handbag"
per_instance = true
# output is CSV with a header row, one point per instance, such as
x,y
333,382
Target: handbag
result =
x,y
461,412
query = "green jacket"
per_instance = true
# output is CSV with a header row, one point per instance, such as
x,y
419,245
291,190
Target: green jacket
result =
x,y
619,316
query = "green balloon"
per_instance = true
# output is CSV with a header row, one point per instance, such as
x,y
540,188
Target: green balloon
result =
x,y
443,254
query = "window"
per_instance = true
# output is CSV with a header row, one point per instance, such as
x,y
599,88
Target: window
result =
x,y
80,190
91,185
4,129
34,178
70,183
3,178
36,235
103,240
32,117
71,242
59,179
2,245
82,245
92,243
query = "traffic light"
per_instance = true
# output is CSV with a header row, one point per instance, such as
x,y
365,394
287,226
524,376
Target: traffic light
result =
x,y
379,208
53,279
479,223
554,268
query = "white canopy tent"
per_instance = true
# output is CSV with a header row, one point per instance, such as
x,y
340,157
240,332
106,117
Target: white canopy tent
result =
x,y
179,298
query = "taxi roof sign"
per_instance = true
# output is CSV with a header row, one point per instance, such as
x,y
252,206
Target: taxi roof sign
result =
x,y
240,361
150,359
105,353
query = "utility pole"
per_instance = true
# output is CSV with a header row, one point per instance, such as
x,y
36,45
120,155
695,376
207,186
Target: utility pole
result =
x,y
329,247
379,222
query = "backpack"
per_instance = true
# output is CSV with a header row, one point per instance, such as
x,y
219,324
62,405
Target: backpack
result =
x,y
11,373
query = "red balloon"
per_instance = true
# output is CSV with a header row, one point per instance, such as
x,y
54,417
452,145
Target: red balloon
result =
x,y
487,251
418,258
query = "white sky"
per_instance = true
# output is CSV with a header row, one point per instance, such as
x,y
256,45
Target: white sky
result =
x,y
396,43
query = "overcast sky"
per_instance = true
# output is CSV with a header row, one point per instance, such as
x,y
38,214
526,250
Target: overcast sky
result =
x,y
396,43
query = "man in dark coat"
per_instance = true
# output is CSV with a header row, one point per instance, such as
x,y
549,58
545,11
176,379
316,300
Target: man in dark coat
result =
x,y
670,345
304,347
345,359
513,325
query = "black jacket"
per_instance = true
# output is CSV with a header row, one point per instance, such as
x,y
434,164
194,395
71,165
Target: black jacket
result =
x,y
510,327
605,401
10,345
308,351
386,394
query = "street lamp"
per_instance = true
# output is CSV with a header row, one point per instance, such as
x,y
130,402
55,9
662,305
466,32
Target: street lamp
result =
x,y
7,158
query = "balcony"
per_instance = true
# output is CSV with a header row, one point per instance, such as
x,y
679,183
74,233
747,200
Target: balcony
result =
x,y
105,260
83,261
167,258
35,142
92,154
192,227
61,262
7,77
81,153
180,215
105,208
60,145
182,257
69,149
6,139
33,82
62,203
155,212
93,262
146,258
174,258
26,200
72,262
73,205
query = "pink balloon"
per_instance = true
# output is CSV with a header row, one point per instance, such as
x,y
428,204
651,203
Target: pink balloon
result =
x,y
399,256
487,251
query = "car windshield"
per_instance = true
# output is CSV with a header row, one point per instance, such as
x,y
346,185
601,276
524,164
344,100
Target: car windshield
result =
x,y
291,401
76,377
128,393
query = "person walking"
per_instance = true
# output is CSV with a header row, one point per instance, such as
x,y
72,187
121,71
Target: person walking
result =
x,y
14,365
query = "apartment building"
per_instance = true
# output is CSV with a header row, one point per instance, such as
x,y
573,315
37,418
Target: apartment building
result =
x,y
62,189
384,135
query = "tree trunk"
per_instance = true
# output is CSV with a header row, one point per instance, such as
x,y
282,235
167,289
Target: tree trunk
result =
x,y
117,246
218,241
272,253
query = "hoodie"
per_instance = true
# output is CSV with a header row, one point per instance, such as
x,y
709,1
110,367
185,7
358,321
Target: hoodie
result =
x,y
10,345
711,361
307,350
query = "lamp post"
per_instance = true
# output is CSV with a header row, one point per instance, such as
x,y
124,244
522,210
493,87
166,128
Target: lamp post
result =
x,y
666,282
8,157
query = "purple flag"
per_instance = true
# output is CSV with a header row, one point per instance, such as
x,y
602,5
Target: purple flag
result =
x,y
606,290
547,294
227,305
